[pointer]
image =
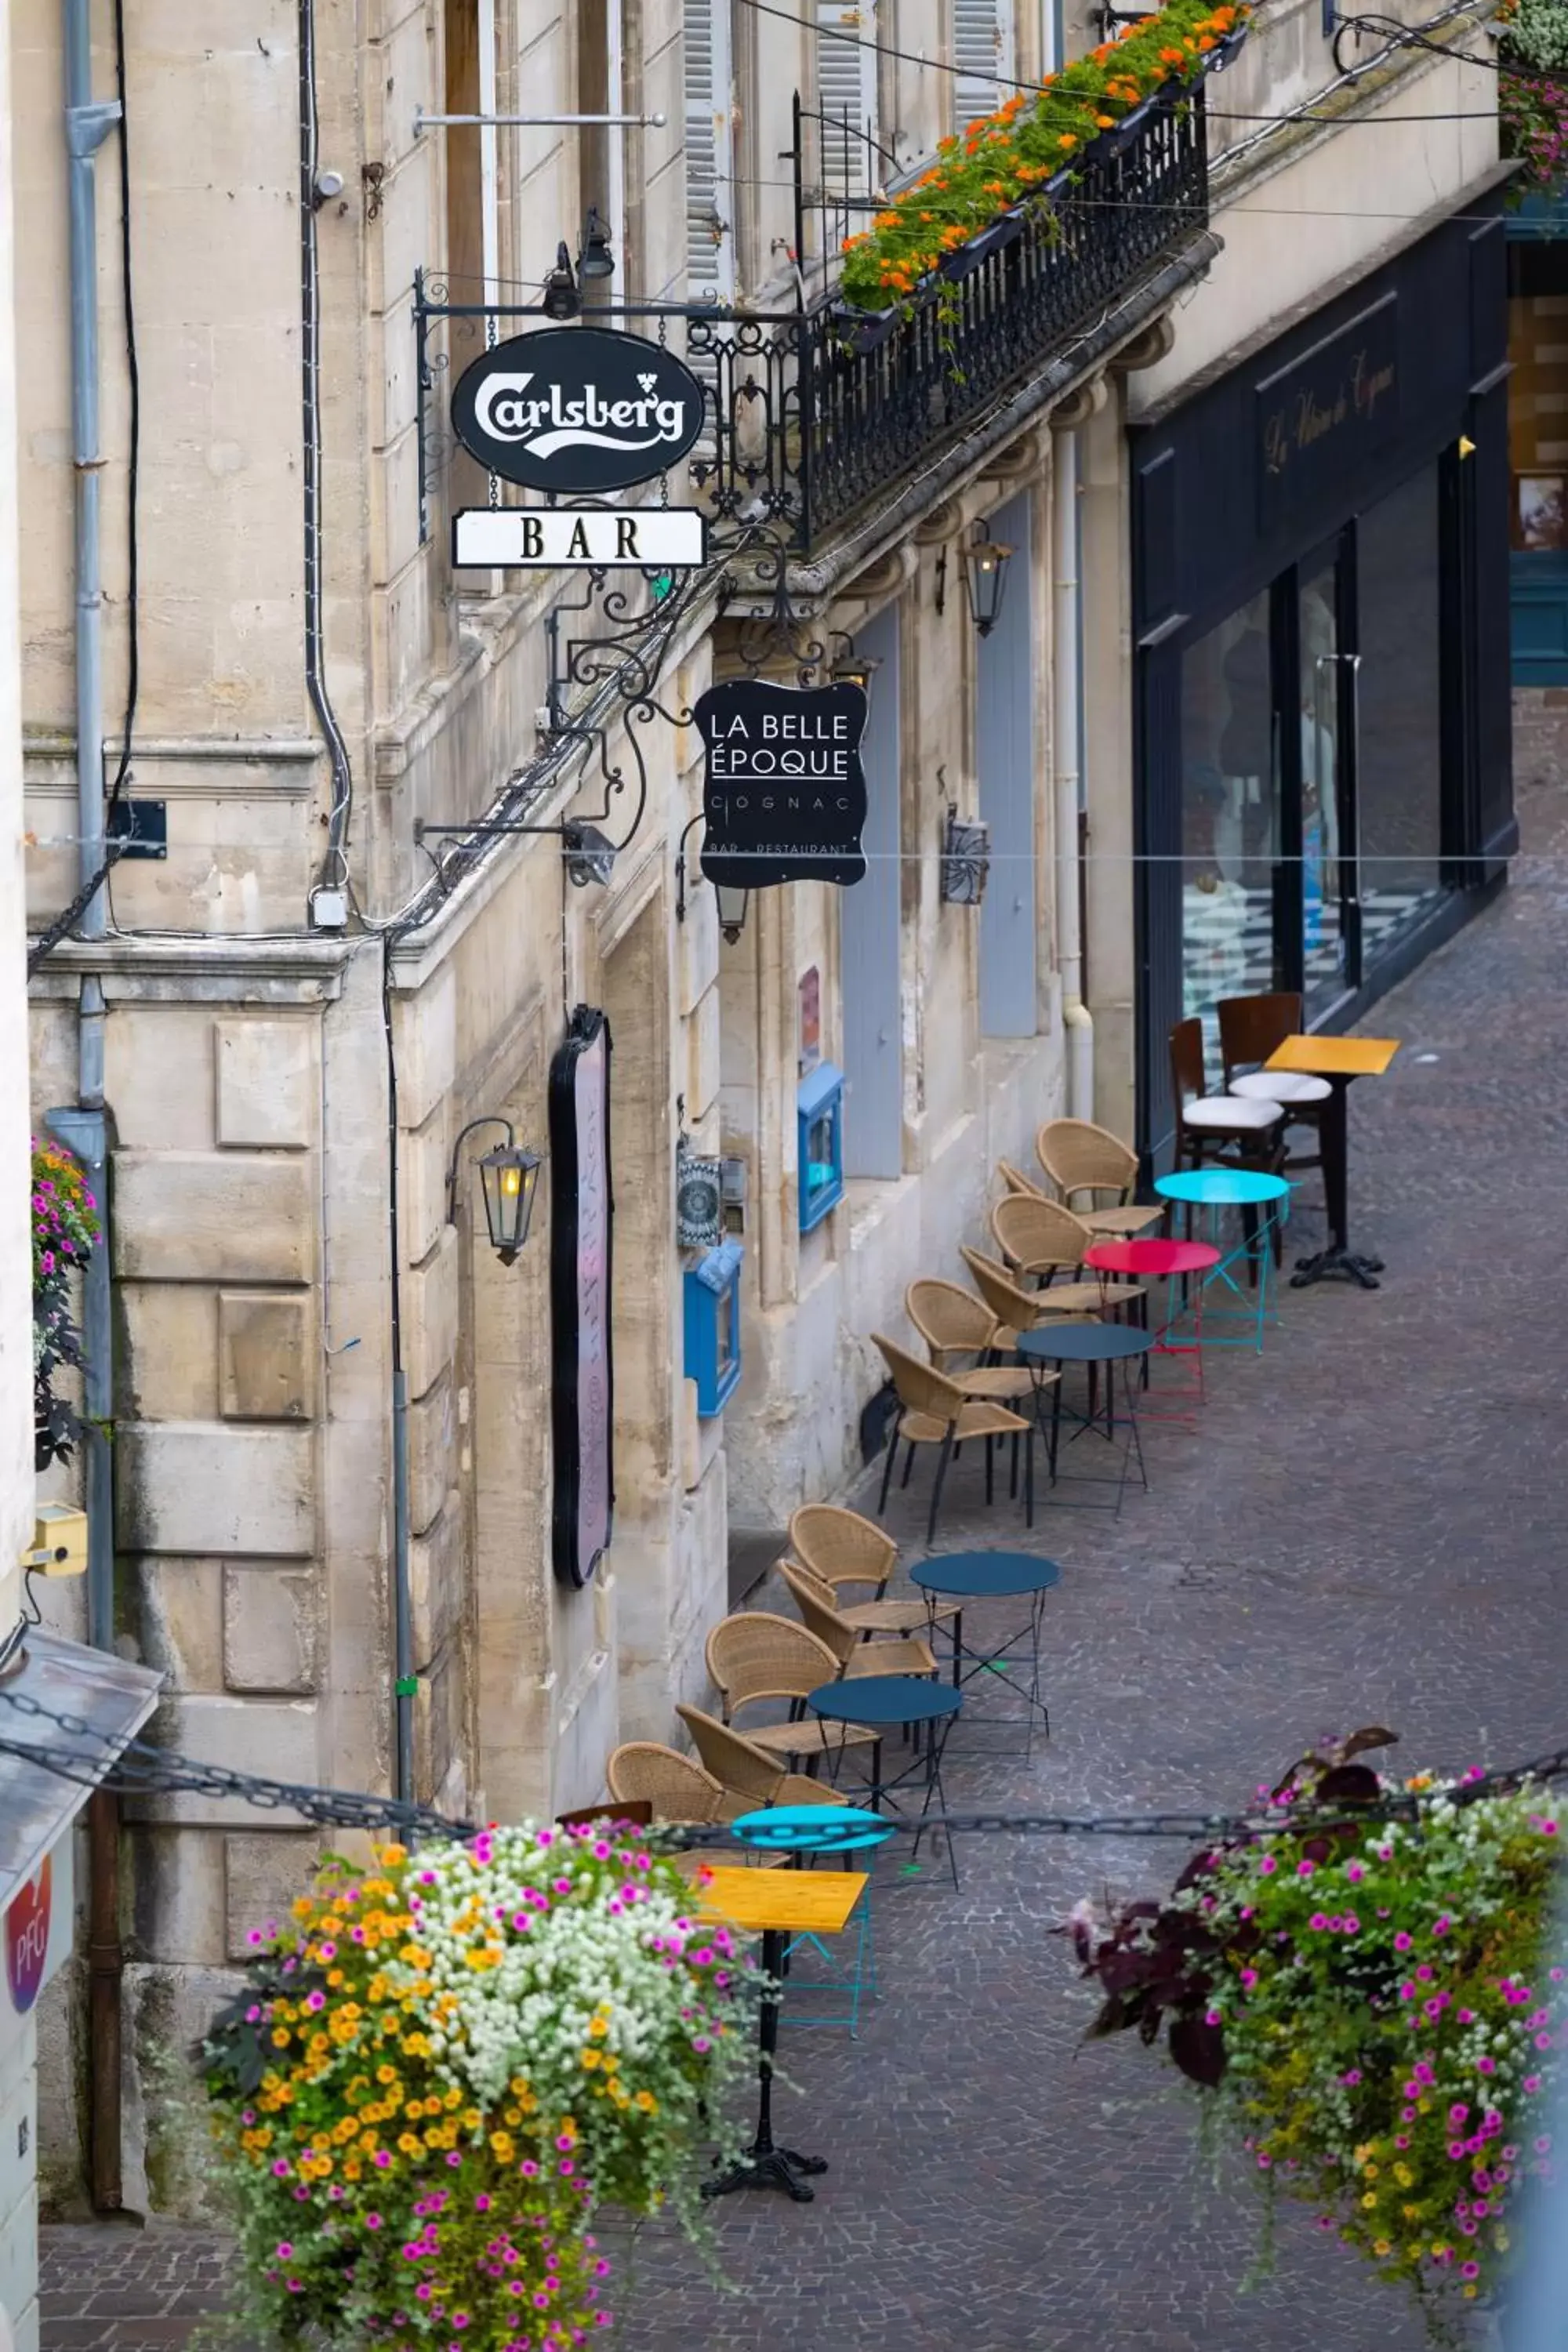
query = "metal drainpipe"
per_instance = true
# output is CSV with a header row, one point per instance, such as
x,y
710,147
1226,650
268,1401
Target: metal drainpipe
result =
x,y
88,123
1065,658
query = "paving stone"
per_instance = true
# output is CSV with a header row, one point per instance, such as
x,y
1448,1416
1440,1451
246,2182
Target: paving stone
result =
x,y
1363,1526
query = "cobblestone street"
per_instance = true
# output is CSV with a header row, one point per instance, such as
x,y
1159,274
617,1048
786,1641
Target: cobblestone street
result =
x,y
1364,1526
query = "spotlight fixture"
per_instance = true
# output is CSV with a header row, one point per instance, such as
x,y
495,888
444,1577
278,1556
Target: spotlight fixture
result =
x,y
590,858
562,301
595,263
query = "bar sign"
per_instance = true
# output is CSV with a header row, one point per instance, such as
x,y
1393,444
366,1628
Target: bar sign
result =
x,y
508,539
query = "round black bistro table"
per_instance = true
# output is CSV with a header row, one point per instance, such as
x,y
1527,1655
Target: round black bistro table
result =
x,y
882,1702
995,1576
1093,1344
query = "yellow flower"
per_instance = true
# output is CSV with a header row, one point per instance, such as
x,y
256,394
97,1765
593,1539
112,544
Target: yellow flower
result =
x,y
502,2145
409,2143
590,2059
1380,2246
647,2103
1371,2171
280,2037
472,2118
434,2135
1370,2199
393,1854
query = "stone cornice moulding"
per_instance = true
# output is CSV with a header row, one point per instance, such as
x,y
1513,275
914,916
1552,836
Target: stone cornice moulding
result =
x,y
298,758
306,969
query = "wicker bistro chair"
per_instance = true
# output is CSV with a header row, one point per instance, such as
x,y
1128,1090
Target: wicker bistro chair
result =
x,y
867,1618
1014,1181
1041,1238
756,1656
840,1546
856,1655
934,1410
952,1322
749,1775
642,1772
1080,1158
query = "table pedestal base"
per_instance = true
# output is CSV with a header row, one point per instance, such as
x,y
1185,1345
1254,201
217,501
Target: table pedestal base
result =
x,y
1337,1264
769,2167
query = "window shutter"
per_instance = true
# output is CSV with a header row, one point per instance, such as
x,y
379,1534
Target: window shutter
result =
x,y
983,50
709,153
846,92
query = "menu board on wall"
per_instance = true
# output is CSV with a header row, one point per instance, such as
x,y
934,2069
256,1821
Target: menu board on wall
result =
x,y
582,1210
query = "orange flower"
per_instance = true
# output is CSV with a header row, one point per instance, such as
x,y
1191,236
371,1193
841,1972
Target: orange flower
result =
x,y
1104,122
1170,57
1067,140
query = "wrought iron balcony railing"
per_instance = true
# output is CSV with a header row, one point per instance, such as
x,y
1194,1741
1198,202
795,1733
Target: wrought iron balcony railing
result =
x,y
818,412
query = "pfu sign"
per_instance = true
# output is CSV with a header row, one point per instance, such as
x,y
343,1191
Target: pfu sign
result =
x,y
35,1930
784,794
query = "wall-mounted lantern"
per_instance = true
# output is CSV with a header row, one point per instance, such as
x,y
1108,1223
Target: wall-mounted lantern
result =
x,y
732,904
509,1180
985,561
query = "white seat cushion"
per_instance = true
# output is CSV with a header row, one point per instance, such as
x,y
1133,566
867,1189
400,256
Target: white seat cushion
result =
x,y
1281,1087
1232,1113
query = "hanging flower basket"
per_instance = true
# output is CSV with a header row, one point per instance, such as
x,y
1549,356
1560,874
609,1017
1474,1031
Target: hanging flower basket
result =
x,y
443,2065
1021,150
1373,2006
64,1234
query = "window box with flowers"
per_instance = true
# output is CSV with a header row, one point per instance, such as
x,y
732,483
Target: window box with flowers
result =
x,y
982,186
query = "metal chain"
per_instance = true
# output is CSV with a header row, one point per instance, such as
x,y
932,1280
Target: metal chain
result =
x,y
137,1767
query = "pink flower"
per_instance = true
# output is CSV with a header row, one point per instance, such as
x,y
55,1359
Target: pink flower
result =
x,y
1402,1942
1486,2065
1268,1864
1457,2114
1318,1920
1353,1925
1305,1869
372,2221
284,2250
1355,1874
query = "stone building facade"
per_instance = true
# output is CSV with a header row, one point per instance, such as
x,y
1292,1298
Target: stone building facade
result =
x,y
333,968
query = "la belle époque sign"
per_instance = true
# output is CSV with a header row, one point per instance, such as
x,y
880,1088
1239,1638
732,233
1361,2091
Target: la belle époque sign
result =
x,y
784,792
1328,411
582,1210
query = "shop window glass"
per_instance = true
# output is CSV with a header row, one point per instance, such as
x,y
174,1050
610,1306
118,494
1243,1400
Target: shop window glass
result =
x,y
1230,813
1399,745
1538,423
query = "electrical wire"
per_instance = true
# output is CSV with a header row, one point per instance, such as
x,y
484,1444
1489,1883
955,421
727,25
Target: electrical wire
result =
x,y
336,863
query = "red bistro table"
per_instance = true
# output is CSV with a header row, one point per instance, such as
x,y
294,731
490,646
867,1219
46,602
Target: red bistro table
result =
x,y
1170,1262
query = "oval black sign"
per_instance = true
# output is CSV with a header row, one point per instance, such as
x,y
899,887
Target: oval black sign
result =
x,y
577,408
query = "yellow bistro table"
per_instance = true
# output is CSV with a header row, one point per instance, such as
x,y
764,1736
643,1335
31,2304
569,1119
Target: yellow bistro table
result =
x,y
1340,1060
775,1903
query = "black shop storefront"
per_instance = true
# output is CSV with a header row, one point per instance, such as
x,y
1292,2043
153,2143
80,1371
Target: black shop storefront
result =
x,y
1320,614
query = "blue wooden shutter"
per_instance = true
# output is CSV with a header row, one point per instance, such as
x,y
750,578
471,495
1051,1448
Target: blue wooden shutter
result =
x,y
1005,764
869,935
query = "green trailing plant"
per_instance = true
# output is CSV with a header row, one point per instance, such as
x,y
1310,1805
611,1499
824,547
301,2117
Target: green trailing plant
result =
x,y
1004,159
1370,2008
66,1232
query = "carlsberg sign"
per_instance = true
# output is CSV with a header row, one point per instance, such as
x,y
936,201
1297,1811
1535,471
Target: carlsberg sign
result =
x,y
575,409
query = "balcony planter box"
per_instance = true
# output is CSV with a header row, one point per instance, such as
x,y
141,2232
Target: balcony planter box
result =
x,y
995,239
1222,52
864,330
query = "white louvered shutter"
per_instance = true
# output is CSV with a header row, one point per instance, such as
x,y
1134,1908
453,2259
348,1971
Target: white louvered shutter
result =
x,y
983,51
846,91
710,153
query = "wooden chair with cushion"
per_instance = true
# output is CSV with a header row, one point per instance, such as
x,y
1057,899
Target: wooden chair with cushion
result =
x,y
856,1652
1080,1158
1242,1130
757,1657
750,1777
953,1323
1042,1239
1249,1029
934,1410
